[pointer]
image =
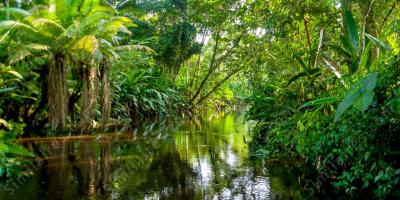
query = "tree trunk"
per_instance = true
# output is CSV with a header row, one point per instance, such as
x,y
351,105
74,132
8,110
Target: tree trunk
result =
x,y
227,77
57,93
371,28
89,96
197,69
216,62
106,94
210,70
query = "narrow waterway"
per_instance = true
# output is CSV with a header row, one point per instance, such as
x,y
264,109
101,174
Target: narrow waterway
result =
x,y
174,159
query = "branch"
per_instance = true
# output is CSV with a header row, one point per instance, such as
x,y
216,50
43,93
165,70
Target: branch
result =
x,y
211,68
219,84
199,59
216,62
321,38
227,77
364,24
229,52
389,13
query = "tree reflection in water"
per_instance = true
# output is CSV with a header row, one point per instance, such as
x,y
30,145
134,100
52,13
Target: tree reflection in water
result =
x,y
204,159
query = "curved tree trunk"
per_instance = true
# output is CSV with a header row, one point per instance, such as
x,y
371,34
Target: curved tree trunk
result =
x,y
57,92
106,94
89,96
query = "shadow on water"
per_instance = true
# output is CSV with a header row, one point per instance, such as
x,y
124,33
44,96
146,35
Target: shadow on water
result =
x,y
183,159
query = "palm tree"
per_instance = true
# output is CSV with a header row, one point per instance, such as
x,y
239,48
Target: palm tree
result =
x,y
79,32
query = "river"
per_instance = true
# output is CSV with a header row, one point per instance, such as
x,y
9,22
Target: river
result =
x,y
170,159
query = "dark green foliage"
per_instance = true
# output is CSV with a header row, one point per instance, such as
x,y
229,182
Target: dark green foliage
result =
x,y
358,155
144,93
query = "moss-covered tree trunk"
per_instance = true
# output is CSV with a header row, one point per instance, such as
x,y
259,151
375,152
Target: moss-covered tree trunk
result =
x,y
57,92
89,96
106,93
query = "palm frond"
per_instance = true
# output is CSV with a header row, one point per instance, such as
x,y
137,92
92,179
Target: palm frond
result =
x,y
141,48
15,13
48,27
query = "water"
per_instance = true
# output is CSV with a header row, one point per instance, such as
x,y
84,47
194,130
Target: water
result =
x,y
179,159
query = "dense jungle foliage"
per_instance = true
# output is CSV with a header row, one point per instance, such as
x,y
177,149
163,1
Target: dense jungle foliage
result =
x,y
321,79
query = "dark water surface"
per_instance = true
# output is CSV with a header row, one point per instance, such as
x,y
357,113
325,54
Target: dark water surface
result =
x,y
182,159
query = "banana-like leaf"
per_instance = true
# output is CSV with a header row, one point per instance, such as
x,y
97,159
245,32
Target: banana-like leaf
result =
x,y
351,32
359,96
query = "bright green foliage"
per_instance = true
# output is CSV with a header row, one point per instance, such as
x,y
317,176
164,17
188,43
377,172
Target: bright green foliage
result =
x,y
144,93
351,37
341,119
350,149
360,95
11,154
320,78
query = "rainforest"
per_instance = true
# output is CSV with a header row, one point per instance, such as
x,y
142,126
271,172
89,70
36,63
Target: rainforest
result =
x,y
199,99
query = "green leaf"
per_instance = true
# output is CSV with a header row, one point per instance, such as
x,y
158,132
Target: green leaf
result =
x,y
369,82
320,101
340,50
360,95
9,24
4,123
7,89
351,32
18,150
4,36
296,77
301,62
4,148
48,27
378,41
365,57
15,12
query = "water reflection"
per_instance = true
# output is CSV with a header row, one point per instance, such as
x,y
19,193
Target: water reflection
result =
x,y
179,160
